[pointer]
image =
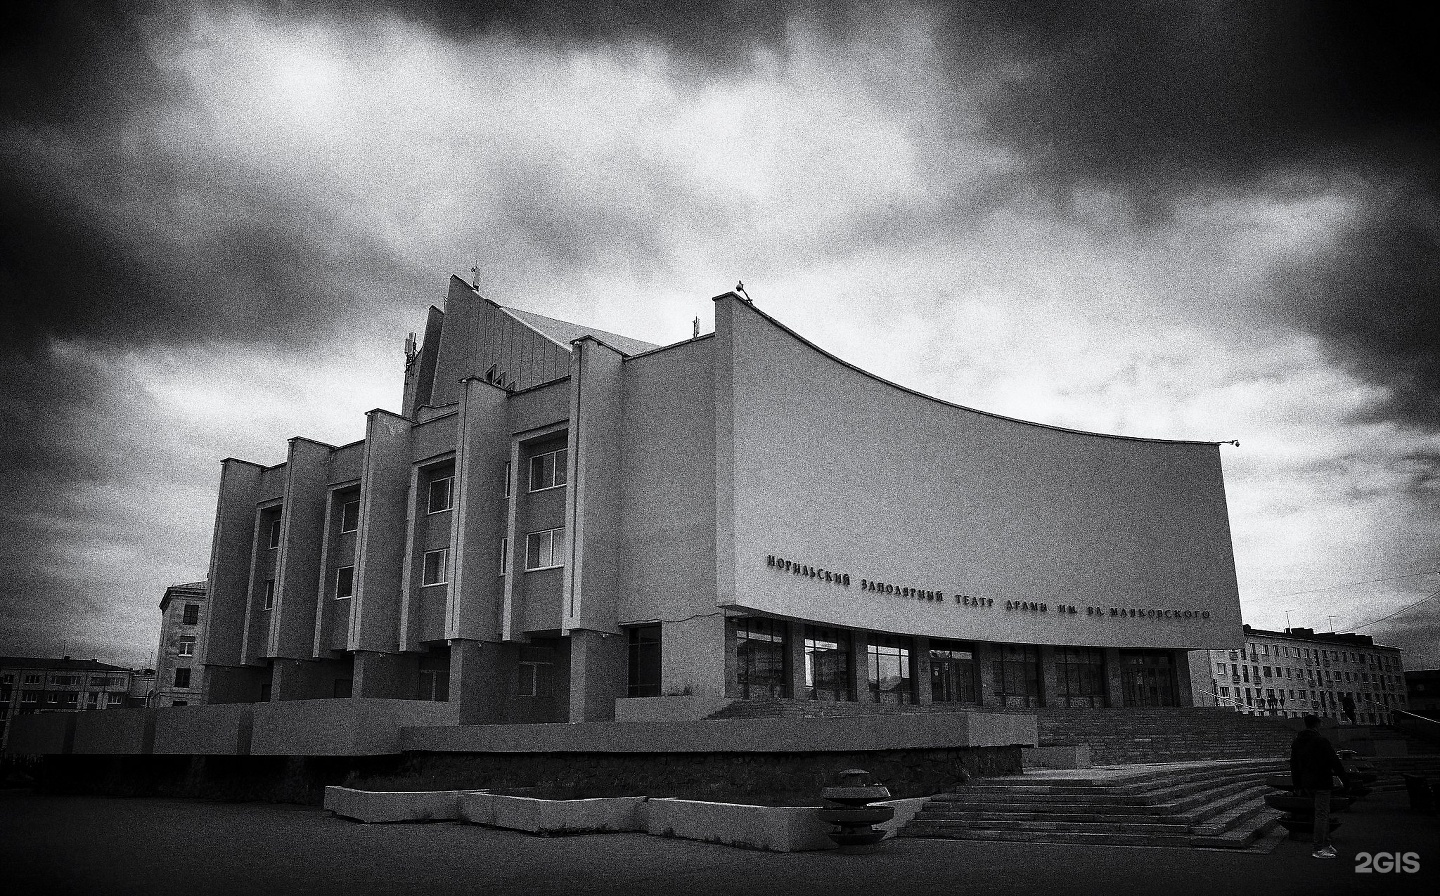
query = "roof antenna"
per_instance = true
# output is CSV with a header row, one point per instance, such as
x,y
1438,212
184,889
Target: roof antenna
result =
x,y
475,275
740,290
695,329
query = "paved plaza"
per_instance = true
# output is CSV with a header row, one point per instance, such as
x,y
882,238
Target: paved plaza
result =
x,y
159,847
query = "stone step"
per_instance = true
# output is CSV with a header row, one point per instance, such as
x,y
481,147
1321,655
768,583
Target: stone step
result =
x,y
941,832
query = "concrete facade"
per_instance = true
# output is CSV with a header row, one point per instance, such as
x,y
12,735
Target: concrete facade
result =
x,y
179,675
561,519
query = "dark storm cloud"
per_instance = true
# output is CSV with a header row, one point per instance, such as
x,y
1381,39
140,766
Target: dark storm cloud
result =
x,y
1179,102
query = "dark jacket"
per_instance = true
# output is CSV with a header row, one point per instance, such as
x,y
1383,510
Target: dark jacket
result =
x,y
1313,761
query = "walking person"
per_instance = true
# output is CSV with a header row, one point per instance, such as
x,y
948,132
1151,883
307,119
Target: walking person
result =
x,y
1313,767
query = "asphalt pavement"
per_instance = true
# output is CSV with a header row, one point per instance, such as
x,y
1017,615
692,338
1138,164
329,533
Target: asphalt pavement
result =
x,y
159,847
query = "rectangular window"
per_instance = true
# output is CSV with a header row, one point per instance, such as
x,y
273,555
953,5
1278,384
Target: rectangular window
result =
x,y
350,516
545,550
508,473
534,671
504,555
275,532
344,582
644,661
888,670
29,696
827,664
1080,676
1017,675
440,494
192,614
437,567
115,699
182,678
187,647
760,654
548,470
269,594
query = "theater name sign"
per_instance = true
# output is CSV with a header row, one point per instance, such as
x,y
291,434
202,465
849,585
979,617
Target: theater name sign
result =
x,y
936,595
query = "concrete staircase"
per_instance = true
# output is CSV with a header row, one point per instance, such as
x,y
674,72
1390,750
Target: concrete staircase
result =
x,y
1195,804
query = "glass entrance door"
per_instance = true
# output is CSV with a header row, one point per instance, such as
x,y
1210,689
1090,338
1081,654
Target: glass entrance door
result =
x,y
1148,679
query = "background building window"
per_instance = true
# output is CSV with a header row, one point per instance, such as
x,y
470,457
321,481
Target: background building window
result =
x,y
644,666
888,670
440,494
504,555
344,582
827,664
182,678
350,515
192,614
952,674
437,570
187,647
548,470
760,654
275,532
545,550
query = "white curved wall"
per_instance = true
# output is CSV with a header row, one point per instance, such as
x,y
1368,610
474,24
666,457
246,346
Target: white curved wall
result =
x,y
841,472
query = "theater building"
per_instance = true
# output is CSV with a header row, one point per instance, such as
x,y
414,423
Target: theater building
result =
x,y
562,524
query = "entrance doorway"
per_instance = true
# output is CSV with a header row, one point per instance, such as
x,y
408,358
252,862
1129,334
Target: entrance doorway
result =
x,y
1148,679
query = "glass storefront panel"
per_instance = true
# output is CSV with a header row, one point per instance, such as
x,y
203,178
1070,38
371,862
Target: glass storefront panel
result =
x,y
888,661
644,661
1148,678
1017,675
760,658
952,673
1079,677
827,664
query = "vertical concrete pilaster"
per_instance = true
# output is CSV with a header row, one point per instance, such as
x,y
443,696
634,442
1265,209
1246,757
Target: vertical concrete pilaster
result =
x,y
292,621
392,675
985,672
920,668
476,595
477,681
1186,678
1114,683
860,666
795,645
592,509
1049,681
229,574
597,674
380,557
692,657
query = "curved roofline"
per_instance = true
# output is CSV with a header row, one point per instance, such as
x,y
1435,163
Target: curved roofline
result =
x,y
880,379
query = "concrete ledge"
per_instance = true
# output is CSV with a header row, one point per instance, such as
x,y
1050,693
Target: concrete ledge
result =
x,y
354,726
668,709
42,734
522,813
216,729
115,732
373,806
937,730
773,828
1076,756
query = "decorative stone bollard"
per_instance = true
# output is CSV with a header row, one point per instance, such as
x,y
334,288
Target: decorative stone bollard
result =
x,y
847,807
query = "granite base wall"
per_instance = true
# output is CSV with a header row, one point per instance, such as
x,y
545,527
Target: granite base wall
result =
x,y
757,778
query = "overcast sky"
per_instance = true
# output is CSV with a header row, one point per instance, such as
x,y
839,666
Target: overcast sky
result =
x,y
1179,220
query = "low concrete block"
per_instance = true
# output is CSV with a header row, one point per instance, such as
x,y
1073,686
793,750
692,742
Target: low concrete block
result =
x,y
686,708
375,806
129,732
42,734
773,828
1075,756
523,813
358,726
